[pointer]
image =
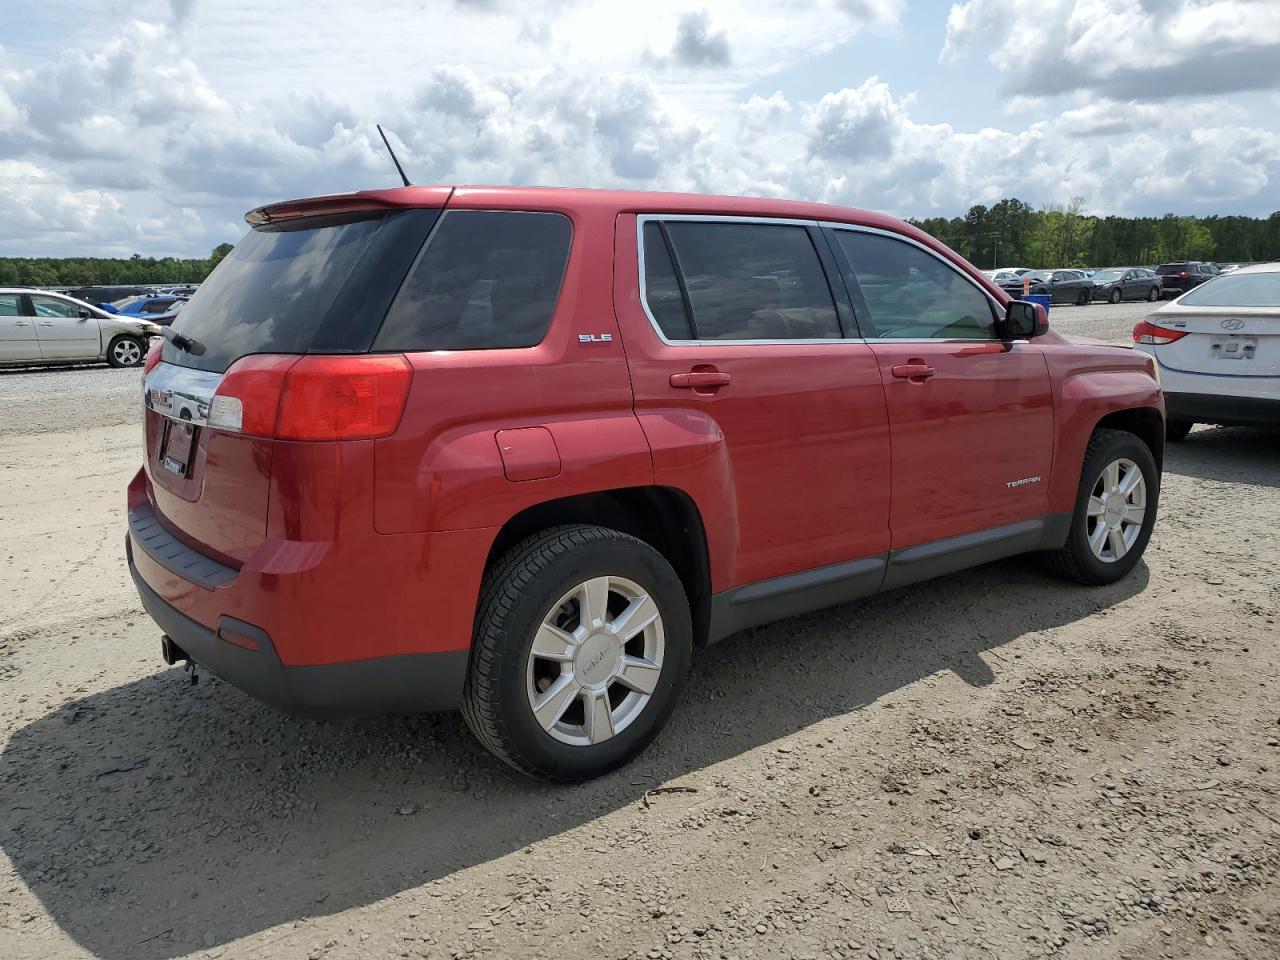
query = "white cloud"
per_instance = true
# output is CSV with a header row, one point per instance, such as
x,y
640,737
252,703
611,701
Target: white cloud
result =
x,y
110,148
1125,49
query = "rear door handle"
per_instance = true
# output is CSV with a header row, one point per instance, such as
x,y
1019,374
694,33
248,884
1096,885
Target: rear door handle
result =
x,y
701,379
913,370
21,323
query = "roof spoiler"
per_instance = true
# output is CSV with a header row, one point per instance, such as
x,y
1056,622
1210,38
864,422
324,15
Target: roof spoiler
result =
x,y
338,204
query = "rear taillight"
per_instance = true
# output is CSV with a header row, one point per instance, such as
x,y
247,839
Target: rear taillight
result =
x,y
1184,274
313,398
344,398
153,354
1144,332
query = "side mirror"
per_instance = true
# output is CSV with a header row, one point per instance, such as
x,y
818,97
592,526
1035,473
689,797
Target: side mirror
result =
x,y
85,313
1024,320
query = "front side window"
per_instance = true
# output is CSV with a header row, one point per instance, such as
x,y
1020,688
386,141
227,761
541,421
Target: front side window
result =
x,y
49,307
911,294
752,281
485,280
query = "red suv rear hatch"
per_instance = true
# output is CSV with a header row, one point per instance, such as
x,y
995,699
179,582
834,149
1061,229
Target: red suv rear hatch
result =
x,y
316,280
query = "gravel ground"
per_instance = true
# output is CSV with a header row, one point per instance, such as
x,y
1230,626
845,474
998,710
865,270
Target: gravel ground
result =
x,y
995,764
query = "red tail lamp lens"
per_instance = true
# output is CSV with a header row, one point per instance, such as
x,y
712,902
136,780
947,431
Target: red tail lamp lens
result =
x,y
153,354
313,397
344,398
1144,332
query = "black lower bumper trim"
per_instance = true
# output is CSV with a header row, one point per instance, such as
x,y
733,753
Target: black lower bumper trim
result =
x,y
1223,410
405,683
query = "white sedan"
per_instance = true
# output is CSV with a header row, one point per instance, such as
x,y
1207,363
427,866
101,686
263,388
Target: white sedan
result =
x,y
1217,349
46,328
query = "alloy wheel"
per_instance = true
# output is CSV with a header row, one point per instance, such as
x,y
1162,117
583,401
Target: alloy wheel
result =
x,y
595,661
1117,509
127,353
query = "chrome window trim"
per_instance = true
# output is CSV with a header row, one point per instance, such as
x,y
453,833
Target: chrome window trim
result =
x,y
644,218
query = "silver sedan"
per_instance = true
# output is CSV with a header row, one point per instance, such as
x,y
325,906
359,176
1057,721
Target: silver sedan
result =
x,y
39,327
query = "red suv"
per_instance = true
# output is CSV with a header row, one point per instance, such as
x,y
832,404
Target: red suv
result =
x,y
519,450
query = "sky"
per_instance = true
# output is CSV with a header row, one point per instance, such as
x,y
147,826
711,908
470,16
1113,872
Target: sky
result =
x,y
152,126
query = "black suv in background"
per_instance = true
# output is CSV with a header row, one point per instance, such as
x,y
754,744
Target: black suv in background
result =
x,y
1181,275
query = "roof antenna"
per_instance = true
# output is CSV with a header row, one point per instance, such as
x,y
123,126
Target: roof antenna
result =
x,y
399,169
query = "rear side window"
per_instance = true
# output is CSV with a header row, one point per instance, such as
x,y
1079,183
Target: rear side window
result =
x,y
485,280
9,305
752,281
911,294
1236,290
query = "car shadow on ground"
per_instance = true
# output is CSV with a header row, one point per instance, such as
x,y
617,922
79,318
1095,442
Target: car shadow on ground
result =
x,y
154,819
1228,454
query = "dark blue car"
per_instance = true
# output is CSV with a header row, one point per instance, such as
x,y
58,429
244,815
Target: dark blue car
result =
x,y
159,310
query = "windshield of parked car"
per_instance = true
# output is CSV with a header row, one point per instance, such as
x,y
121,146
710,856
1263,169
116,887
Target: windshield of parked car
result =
x,y
1237,290
1106,276
1037,276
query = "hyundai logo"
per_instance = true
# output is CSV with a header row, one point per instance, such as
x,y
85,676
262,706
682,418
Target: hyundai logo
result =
x,y
1232,324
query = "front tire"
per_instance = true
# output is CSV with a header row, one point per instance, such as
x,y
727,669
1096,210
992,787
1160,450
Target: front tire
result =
x,y
1175,431
1115,296
125,351
1114,513
581,650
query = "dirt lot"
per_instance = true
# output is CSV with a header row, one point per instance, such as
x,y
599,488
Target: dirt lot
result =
x,y
991,765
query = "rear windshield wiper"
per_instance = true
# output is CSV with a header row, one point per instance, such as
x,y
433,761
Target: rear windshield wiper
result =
x,y
186,344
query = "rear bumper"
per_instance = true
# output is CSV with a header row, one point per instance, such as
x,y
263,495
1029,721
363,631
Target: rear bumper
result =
x,y
1222,409
405,683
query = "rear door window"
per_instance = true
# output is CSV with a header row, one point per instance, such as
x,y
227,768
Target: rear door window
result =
x,y
745,281
485,280
911,294
9,306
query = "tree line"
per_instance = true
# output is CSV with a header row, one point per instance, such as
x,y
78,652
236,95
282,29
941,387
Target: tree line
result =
x,y
1014,234
93,271
1011,233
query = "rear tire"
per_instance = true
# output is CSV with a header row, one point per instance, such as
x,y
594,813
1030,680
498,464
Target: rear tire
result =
x,y
1084,298
1153,295
1116,296
602,716
125,351
1175,431
1088,562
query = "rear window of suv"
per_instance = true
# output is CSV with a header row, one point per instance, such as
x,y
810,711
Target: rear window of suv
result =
x,y
1168,269
485,280
317,283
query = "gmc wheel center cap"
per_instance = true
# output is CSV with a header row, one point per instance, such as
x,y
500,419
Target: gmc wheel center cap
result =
x,y
597,659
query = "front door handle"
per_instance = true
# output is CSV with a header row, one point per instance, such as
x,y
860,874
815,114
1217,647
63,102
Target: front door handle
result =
x,y
46,323
701,380
913,369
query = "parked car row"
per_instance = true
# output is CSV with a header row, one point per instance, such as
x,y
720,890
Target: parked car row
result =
x,y
1113,284
45,328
